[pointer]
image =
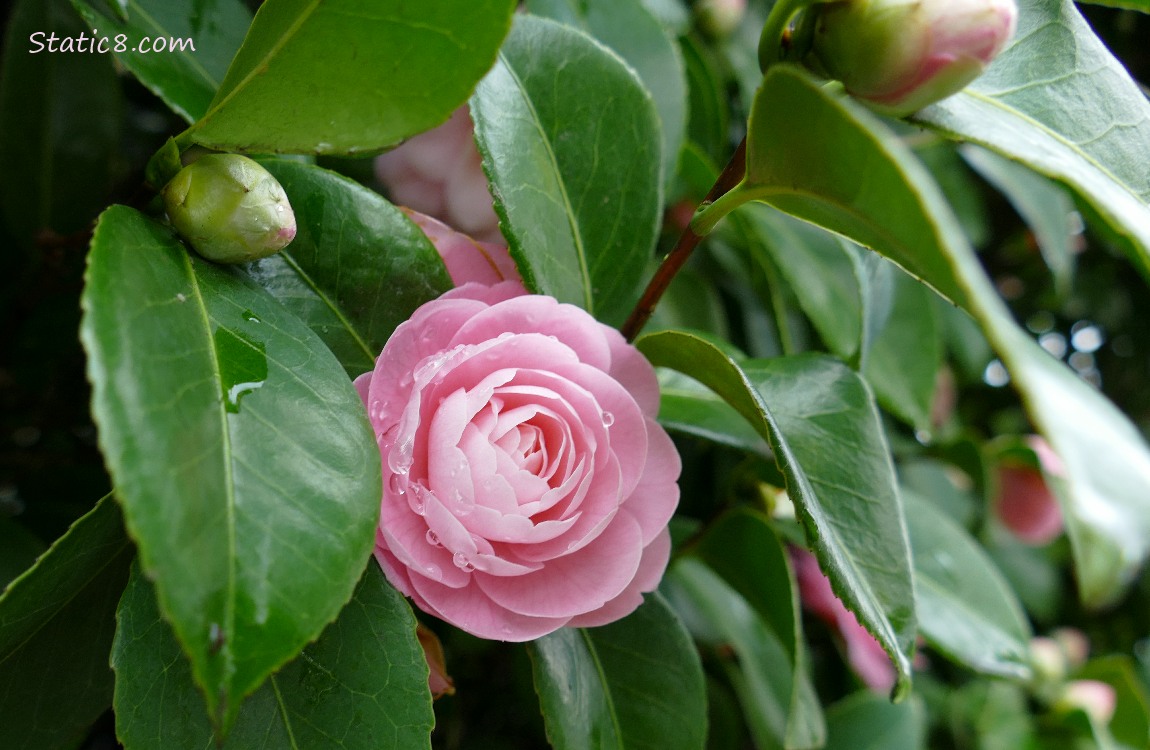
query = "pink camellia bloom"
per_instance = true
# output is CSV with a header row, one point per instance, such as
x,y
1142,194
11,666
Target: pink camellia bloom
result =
x,y
467,260
527,485
1024,502
898,56
439,173
866,657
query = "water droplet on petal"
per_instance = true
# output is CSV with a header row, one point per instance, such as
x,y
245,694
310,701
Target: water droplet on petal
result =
x,y
399,459
608,419
416,501
462,562
397,483
433,539
433,572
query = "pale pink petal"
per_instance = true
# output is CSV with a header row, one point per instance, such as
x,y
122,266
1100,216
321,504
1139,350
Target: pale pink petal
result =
x,y
651,569
577,582
471,610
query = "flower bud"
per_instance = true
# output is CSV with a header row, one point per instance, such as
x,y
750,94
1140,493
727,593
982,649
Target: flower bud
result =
x,y
898,56
230,209
1097,699
718,18
1024,502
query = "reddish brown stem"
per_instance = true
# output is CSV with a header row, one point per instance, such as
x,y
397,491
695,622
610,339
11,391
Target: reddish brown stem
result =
x,y
731,175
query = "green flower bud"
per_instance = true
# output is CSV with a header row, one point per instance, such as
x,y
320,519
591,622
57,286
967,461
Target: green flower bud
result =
x,y
718,18
230,209
898,56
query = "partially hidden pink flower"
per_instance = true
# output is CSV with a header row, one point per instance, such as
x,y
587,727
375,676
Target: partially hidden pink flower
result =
x,y
527,485
867,658
1024,502
467,259
439,173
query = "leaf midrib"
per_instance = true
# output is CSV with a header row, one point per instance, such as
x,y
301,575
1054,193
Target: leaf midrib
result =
x,y
1071,145
330,304
99,570
192,61
572,219
609,698
229,478
280,43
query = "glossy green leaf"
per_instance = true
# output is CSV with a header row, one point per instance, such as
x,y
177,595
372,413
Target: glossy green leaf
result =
x,y
965,607
903,358
198,40
630,29
820,419
688,406
817,267
636,683
1044,205
56,626
851,175
350,76
361,686
1059,102
865,721
60,117
760,669
245,465
744,549
19,548
352,286
569,140
708,115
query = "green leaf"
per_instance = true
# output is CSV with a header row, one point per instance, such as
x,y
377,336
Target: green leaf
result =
x,y
19,548
759,666
817,267
199,42
708,115
1059,102
744,549
245,465
569,140
636,683
865,721
965,607
1131,722
352,286
350,76
852,175
633,31
361,686
820,419
60,118
688,406
56,626
904,356
1142,5
1045,207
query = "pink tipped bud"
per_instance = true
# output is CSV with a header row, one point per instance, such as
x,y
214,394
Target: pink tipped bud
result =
x,y
229,209
898,56
1096,698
